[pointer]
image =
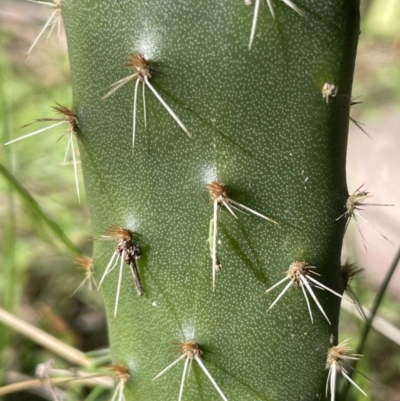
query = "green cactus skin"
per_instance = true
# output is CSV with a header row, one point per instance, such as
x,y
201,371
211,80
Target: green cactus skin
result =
x,y
261,126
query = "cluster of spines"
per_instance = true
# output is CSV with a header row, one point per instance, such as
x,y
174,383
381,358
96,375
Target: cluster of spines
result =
x,y
190,351
68,117
337,359
126,251
142,74
298,274
122,375
219,197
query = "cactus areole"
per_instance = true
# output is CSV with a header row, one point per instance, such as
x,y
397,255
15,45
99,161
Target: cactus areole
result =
x,y
261,123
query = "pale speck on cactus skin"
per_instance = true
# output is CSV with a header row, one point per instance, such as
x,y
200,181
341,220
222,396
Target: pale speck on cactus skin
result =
x,y
142,74
219,196
329,91
126,251
190,351
70,118
353,205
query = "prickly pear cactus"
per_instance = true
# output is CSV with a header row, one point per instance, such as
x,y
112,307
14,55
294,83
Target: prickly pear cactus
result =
x,y
213,139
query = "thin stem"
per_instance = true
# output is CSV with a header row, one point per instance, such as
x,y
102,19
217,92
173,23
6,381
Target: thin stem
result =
x,y
368,324
25,385
379,324
46,340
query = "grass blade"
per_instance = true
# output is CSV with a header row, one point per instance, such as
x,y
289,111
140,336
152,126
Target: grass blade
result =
x,y
27,198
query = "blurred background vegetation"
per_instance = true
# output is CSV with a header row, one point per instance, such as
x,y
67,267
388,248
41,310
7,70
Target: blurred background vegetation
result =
x,y
37,275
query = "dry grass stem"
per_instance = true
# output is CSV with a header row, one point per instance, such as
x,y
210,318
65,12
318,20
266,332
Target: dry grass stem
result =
x,y
46,340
